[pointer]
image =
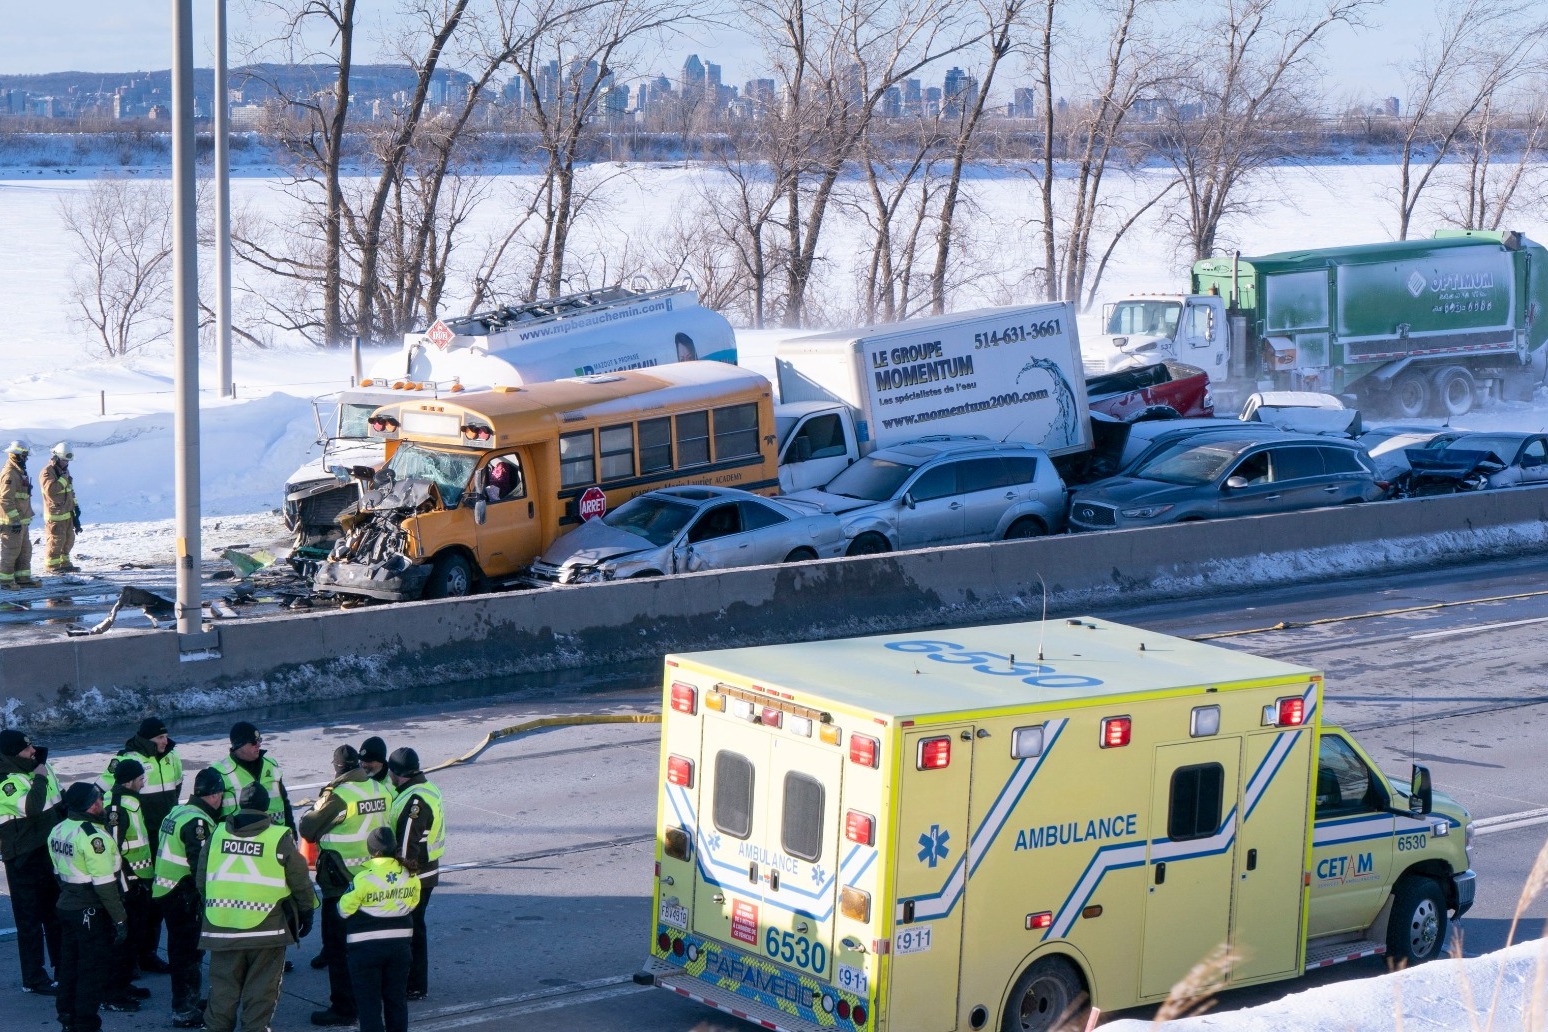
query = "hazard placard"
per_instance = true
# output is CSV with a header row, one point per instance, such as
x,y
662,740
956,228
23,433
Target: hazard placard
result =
x,y
440,335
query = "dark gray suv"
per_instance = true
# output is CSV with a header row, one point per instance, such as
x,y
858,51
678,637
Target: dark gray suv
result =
x,y
1210,476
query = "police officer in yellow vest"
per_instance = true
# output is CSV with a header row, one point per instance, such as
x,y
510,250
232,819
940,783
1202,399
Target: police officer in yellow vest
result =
x,y
153,748
61,514
16,519
378,913
29,809
257,901
419,824
126,818
347,811
92,921
249,763
183,834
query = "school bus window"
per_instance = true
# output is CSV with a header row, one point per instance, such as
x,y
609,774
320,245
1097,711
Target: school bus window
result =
x,y
617,452
800,830
1196,796
733,804
693,439
736,432
655,445
577,459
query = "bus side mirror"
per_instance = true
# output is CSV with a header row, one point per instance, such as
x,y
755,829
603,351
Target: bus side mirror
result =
x,y
1420,795
480,512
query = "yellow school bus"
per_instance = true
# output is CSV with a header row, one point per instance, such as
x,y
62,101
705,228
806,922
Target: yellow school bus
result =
x,y
476,487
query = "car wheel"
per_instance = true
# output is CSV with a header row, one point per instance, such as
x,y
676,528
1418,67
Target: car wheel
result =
x,y
800,555
1026,527
1411,394
1416,931
1454,391
1047,996
451,577
869,544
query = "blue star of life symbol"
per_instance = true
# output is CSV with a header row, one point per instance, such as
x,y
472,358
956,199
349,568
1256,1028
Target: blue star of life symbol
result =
x,y
713,841
932,845
818,874
392,878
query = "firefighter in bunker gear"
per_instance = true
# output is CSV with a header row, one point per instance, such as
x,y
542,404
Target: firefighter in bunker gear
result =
x,y
92,919
419,824
257,901
29,809
378,913
61,512
16,520
183,834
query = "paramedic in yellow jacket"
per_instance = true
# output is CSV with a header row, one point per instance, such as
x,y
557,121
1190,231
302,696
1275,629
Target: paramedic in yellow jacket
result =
x,y
16,520
61,514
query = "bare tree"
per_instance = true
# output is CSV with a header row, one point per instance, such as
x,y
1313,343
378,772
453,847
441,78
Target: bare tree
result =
x,y
121,236
1488,191
898,206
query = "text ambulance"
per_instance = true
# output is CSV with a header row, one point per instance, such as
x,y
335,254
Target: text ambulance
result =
x,y
997,827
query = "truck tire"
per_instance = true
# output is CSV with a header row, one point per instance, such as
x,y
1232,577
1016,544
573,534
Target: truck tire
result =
x,y
1048,996
1411,394
1454,389
451,577
1416,932
869,543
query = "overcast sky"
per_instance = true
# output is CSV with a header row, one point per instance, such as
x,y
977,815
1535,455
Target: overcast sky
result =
x,y
103,36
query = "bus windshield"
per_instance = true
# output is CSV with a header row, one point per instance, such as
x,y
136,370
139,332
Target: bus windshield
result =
x,y
448,471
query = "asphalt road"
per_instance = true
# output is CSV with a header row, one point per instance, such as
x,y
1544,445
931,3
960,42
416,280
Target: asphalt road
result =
x,y
544,913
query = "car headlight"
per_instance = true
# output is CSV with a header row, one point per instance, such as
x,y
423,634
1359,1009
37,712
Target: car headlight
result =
x,y
587,574
1145,512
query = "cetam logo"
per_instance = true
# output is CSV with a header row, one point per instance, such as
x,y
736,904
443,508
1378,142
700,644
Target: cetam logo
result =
x,y
1415,284
592,504
440,335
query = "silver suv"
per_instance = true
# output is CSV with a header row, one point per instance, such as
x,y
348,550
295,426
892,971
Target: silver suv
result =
x,y
944,491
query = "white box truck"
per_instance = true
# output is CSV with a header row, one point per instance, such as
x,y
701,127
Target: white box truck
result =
x,y
1011,373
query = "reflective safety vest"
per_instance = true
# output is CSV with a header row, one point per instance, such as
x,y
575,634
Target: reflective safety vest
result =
x,y
366,808
173,863
162,773
134,839
237,778
380,904
244,881
428,798
13,793
82,853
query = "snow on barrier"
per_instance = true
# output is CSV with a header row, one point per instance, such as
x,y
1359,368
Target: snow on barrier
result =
x,y
84,682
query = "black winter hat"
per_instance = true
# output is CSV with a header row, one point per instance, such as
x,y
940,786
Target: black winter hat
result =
x,y
345,758
403,762
254,797
243,733
150,727
373,749
12,742
82,796
381,842
209,782
126,770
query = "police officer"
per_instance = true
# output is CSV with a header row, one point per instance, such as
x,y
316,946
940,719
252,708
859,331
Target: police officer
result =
x,y
153,748
61,514
378,913
126,818
373,760
16,519
249,763
419,824
92,920
347,811
29,809
257,901
183,835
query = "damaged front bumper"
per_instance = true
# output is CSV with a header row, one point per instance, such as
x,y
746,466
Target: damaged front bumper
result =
x,y
395,580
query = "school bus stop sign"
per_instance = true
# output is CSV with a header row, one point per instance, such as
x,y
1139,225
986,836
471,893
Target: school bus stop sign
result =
x,y
592,504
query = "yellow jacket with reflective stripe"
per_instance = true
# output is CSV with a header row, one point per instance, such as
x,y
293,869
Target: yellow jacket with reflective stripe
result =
x,y
15,494
380,904
251,877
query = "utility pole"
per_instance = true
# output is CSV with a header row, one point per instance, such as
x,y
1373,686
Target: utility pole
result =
x,y
222,208
185,330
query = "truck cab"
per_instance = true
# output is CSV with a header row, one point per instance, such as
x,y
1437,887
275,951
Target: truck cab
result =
x,y
1149,328
323,487
817,442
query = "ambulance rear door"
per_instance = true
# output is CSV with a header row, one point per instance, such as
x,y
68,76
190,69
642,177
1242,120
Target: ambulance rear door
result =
x,y
728,891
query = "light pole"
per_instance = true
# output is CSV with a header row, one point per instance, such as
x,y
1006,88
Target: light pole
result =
x,y
222,209
185,329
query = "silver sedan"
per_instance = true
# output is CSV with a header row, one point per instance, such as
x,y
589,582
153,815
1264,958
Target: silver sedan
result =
x,y
686,529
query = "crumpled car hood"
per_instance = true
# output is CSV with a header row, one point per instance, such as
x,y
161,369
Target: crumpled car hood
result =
x,y
592,542
411,494
829,502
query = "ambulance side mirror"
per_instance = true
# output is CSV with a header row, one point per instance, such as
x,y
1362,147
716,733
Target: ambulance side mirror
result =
x,y
1420,795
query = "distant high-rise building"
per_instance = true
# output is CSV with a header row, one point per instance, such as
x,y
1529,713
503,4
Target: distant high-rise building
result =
x,y
1025,103
892,103
913,97
693,73
932,101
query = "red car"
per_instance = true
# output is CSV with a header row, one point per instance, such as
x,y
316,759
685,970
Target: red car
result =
x,y
1165,390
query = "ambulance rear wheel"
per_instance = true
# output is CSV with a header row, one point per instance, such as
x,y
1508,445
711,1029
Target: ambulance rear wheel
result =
x,y
1416,931
1048,996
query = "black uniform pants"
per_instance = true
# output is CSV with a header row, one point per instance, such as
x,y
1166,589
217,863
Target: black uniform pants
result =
x,y
419,965
341,993
34,894
85,967
137,902
380,972
181,911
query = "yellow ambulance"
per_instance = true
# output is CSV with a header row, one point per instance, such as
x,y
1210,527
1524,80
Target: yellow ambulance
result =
x,y
1006,826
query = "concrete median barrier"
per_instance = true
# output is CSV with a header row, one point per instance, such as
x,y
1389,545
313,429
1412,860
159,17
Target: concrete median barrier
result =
x,y
84,682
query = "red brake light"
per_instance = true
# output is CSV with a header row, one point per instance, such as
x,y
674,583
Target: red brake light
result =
x,y
1292,712
771,717
685,698
934,754
1036,921
1115,732
859,828
680,771
859,1014
863,750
